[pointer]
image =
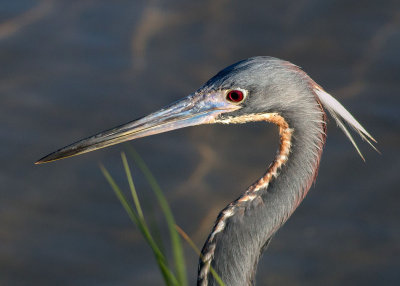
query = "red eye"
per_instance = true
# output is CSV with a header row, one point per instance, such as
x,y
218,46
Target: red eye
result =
x,y
235,96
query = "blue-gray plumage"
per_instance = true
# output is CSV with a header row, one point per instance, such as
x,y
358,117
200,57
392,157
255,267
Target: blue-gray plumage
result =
x,y
256,89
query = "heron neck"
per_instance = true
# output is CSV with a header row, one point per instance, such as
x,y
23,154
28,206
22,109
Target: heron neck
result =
x,y
244,228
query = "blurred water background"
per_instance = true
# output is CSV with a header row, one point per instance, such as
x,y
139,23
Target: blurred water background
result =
x,y
72,68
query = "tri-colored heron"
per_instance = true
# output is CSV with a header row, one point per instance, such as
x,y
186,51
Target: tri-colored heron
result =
x,y
256,89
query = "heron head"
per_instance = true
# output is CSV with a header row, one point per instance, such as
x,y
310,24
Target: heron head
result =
x,y
246,88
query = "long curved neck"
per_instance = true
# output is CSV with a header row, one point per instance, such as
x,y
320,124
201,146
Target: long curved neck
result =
x,y
246,225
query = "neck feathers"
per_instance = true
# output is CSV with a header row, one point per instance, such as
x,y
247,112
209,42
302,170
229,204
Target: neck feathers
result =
x,y
245,226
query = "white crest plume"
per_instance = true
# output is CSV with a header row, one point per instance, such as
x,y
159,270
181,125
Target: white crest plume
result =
x,y
340,114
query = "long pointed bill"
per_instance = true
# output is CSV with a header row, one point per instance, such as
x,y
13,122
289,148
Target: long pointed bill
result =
x,y
193,110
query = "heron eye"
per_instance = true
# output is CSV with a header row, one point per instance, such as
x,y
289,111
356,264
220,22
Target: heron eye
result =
x,y
235,96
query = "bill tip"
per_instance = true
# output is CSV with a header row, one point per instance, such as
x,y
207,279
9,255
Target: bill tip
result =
x,y
38,162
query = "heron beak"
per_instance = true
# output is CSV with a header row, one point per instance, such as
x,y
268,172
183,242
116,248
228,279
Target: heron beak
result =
x,y
193,110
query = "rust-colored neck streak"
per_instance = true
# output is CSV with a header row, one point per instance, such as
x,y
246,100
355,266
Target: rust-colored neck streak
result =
x,y
252,192
285,133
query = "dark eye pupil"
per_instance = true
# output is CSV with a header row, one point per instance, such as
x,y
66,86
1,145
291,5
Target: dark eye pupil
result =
x,y
235,96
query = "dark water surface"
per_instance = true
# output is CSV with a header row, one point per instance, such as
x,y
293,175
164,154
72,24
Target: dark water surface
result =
x,y
72,68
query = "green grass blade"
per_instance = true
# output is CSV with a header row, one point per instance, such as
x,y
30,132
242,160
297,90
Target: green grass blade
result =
x,y
156,231
167,274
176,243
153,225
216,277
132,186
194,247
